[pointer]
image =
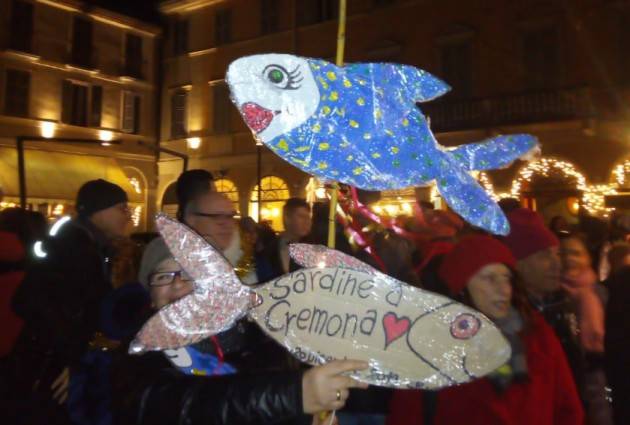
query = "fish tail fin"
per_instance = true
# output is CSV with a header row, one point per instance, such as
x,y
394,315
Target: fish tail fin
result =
x,y
496,152
468,199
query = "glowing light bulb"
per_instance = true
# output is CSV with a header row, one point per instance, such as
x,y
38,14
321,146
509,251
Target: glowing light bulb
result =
x,y
47,129
194,142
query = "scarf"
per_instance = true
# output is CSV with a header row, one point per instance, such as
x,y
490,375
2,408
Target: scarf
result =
x,y
515,370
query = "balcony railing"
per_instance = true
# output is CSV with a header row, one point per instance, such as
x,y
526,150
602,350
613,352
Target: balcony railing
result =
x,y
521,108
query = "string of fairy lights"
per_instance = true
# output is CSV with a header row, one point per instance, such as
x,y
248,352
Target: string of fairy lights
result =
x,y
593,195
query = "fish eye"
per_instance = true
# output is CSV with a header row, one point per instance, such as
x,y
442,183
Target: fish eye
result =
x,y
281,78
465,326
276,74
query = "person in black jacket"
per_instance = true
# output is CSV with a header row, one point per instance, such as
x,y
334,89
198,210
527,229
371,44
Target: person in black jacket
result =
x,y
617,343
296,216
202,384
59,301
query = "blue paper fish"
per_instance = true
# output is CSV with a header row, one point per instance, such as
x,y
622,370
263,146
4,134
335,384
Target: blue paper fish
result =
x,y
360,125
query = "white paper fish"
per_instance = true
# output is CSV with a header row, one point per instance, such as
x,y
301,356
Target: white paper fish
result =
x,y
336,307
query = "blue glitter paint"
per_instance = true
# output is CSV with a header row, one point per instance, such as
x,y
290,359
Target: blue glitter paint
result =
x,y
366,130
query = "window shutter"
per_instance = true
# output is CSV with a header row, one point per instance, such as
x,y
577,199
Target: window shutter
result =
x,y
96,106
66,102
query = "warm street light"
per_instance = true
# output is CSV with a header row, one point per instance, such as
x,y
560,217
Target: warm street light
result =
x,y
194,142
106,135
47,129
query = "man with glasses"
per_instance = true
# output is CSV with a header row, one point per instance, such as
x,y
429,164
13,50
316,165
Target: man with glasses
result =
x,y
212,216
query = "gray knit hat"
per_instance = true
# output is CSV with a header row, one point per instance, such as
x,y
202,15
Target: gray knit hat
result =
x,y
155,252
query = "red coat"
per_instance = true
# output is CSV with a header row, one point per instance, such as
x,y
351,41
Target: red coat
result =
x,y
549,397
11,250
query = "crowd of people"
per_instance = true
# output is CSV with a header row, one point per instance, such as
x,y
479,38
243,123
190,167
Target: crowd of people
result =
x,y
74,294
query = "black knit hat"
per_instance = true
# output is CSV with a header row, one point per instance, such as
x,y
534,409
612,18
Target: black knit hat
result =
x,y
190,185
97,195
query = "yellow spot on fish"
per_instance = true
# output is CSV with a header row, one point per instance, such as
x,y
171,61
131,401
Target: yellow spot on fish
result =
x,y
357,171
405,122
324,146
323,83
367,136
334,96
362,82
354,124
302,163
326,110
282,145
389,133
302,148
322,165
349,158
376,155
345,144
341,112
347,83
378,113
395,150
316,128
331,76
360,101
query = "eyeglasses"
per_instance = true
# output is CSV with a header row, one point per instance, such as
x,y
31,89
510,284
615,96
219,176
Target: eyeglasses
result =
x,y
224,216
167,278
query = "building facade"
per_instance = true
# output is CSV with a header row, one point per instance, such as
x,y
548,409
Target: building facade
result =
x,y
559,70
78,88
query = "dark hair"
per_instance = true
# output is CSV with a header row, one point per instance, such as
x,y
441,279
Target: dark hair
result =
x,y
618,251
509,204
29,226
397,254
583,239
190,185
293,204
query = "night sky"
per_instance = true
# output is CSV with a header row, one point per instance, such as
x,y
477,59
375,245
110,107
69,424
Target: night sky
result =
x,y
146,10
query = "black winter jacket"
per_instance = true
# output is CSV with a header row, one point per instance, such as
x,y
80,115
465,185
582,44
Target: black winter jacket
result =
x,y
59,301
148,390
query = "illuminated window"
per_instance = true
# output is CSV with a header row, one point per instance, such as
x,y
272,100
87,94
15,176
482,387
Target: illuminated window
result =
x,y
228,188
273,193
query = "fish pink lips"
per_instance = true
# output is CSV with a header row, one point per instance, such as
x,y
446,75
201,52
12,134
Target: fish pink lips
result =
x,y
256,117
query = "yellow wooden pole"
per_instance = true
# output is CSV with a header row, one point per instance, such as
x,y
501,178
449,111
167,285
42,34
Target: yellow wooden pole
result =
x,y
341,44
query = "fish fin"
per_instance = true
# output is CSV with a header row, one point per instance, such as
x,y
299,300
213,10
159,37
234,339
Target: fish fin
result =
x,y
204,263
307,255
420,85
468,199
497,152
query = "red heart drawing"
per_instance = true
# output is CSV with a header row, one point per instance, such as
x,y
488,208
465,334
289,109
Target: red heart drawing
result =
x,y
394,327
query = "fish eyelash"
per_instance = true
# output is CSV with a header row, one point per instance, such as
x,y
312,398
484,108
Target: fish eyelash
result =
x,y
295,77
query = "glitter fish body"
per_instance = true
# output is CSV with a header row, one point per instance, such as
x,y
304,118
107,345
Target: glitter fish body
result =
x,y
336,307
360,125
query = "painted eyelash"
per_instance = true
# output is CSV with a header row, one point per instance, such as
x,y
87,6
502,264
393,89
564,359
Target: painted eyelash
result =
x,y
295,77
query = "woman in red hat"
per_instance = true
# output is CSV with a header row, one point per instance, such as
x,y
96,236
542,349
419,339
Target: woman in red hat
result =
x,y
534,387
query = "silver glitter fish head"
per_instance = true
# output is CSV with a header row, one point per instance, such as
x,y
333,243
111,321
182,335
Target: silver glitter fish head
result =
x,y
275,93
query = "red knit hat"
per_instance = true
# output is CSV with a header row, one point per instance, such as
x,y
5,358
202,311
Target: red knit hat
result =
x,y
528,233
469,256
